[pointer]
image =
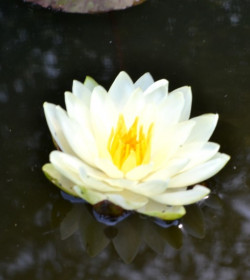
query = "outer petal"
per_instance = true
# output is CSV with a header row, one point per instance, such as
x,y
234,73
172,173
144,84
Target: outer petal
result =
x,y
169,112
171,168
90,83
167,142
73,164
199,173
80,173
81,142
78,111
58,179
55,128
199,156
187,94
183,197
82,92
162,211
203,129
156,92
144,81
70,172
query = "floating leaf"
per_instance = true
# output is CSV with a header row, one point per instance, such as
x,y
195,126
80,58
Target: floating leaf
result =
x,y
86,6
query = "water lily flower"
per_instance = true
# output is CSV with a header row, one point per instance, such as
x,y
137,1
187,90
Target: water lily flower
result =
x,y
133,145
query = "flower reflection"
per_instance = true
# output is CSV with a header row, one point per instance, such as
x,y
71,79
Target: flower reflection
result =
x,y
129,235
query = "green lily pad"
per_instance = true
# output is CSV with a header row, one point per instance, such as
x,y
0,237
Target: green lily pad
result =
x,y
86,6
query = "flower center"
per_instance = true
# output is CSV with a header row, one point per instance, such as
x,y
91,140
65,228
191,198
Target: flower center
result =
x,y
129,147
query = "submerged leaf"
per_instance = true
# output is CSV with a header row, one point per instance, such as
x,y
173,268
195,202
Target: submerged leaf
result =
x,y
86,6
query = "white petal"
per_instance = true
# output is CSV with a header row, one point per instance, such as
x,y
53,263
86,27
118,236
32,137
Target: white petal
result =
x,y
171,168
67,171
73,164
127,200
199,173
162,211
150,188
95,184
109,168
103,116
199,156
81,142
169,112
121,89
134,107
183,197
187,94
82,92
82,174
90,83
144,81
187,150
203,128
121,183
139,172
55,128
156,92
77,110
160,84
165,143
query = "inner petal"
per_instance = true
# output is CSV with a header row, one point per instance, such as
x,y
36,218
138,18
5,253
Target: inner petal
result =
x,y
130,147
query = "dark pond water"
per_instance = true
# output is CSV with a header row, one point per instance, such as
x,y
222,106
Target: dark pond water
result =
x,y
205,44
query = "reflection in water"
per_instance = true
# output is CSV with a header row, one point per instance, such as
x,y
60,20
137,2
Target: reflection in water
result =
x,y
127,236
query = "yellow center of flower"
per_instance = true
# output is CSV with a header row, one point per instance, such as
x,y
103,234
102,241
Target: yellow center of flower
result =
x,y
129,147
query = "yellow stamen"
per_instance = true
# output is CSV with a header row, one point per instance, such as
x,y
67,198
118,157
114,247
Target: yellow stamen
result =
x,y
129,148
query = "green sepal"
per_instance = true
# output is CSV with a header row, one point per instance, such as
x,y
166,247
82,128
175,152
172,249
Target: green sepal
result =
x,y
57,179
170,213
90,83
